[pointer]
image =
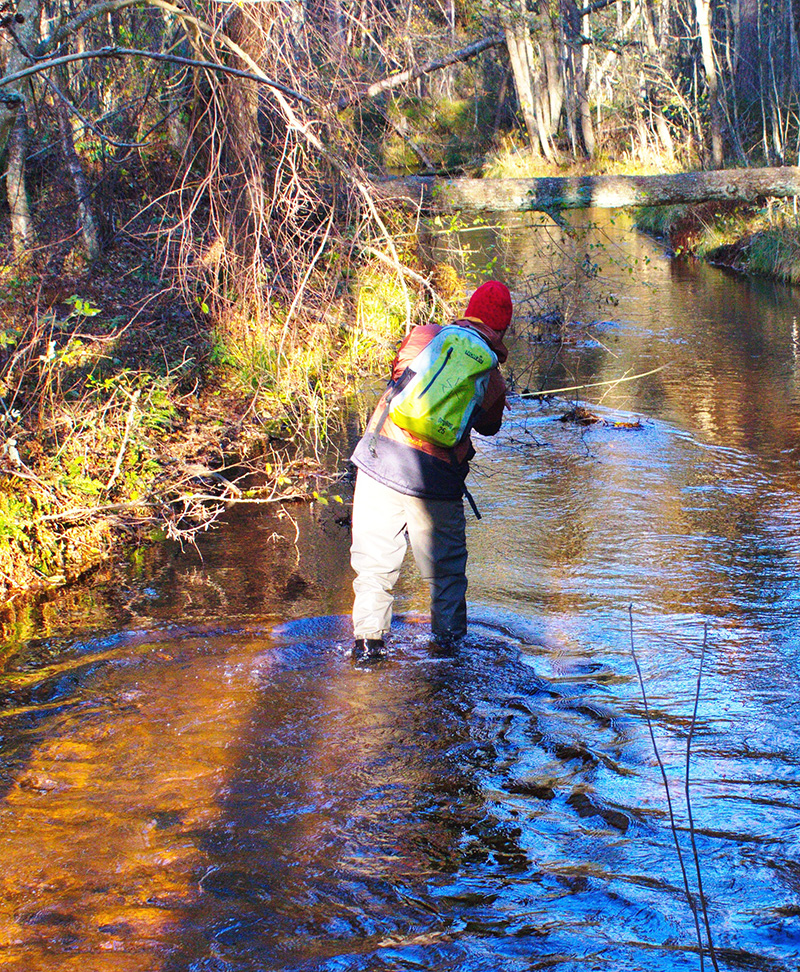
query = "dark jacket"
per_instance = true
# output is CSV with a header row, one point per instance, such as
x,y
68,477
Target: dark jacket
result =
x,y
409,464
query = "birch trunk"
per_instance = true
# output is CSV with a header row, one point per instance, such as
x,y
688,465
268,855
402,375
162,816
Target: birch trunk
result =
x,y
703,14
12,125
555,85
584,107
542,127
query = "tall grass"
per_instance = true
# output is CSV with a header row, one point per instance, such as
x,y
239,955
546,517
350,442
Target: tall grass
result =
x,y
298,376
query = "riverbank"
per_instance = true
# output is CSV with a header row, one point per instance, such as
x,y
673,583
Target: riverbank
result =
x,y
762,240
127,416
105,448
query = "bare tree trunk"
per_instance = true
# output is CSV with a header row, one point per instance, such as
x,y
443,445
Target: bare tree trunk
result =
x,y
555,84
518,57
501,100
581,192
28,33
21,223
746,49
338,30
86,217
569,96
547,146
245,211
702,11
177,129
13,124
794,43
652,95
579,117
730,86
777,97
539,103
763,93
584,111
643,133
584,108
664,134
297,29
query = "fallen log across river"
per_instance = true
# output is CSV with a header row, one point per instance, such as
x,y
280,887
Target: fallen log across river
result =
x,y
554,194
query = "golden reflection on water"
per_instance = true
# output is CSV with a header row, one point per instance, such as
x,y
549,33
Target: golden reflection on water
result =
x,y
97,854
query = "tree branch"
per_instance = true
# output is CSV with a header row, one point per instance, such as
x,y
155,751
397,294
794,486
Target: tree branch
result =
x,y
411,74
71,26
594,7
125,439
87,124
152,55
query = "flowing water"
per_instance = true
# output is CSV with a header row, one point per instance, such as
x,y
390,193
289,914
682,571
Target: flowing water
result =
x,y
194,775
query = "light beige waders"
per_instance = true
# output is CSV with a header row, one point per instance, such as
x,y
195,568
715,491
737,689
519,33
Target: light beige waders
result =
x,y
383,523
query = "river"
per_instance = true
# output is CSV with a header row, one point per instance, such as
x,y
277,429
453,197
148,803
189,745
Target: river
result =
x,y
195,777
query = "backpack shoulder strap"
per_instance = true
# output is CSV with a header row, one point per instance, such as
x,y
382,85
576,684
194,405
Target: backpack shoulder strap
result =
x,y
394,387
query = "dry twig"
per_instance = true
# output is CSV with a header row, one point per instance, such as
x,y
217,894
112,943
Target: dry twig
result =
x,y
673,825
700,892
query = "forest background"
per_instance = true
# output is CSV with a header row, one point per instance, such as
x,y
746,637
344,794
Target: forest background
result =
x,y
200,262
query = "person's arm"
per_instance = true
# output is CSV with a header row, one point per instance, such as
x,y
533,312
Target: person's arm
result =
x,y
490,414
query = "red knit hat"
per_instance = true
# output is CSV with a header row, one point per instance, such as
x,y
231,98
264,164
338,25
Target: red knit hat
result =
x,y
491,303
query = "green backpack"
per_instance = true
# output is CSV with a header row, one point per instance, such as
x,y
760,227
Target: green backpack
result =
x,y
436,396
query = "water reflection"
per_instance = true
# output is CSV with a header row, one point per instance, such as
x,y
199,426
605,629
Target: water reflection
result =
x,y
195,777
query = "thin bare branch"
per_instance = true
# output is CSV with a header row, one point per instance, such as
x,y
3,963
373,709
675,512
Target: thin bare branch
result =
x,y
673,825
105,52
700,892
411,74
125,439
593,384
80,20
407,272
594,7
93,128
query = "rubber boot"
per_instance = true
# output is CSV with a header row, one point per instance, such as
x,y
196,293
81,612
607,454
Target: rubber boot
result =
x,y
368,649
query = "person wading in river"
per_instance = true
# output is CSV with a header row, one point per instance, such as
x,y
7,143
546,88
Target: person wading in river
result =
x,y
411,488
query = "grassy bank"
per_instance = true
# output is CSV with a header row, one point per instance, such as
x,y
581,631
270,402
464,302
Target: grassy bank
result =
x,y
128,416
762,240
759,240
510,158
